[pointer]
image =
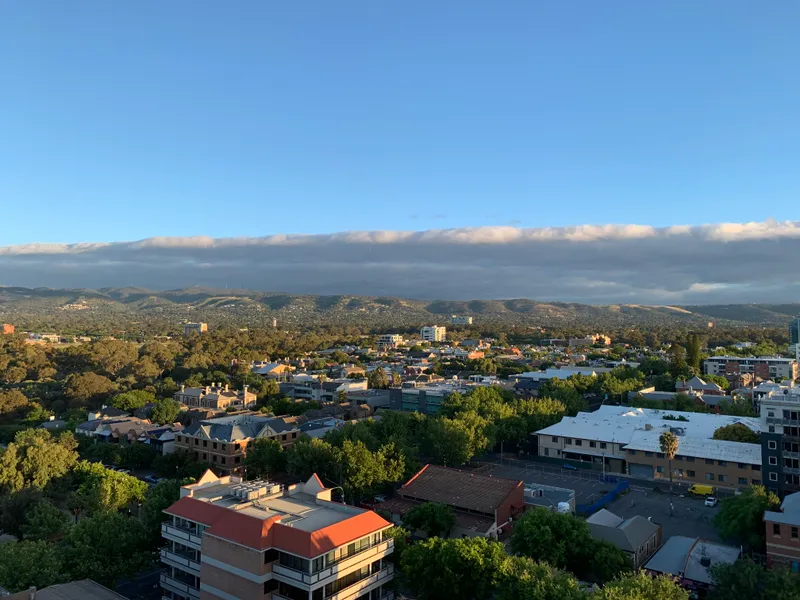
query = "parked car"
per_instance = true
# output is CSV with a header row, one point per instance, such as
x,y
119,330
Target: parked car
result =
x,y
711,501
151,479
124,471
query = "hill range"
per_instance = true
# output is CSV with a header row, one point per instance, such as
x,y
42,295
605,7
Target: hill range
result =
x,y
258,308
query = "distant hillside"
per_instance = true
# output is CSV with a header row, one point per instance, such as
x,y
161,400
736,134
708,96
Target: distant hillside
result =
x,y
248,307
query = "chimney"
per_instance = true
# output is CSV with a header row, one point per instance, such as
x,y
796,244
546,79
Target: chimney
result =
x,y
183,388
226,387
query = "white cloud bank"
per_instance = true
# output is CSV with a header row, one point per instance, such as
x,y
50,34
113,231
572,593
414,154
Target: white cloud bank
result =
x,y
721,263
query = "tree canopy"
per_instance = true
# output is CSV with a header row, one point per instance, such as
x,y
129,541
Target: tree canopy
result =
x,y
435,519
740,518
737,432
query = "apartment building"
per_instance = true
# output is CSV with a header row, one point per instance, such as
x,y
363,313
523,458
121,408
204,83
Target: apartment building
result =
x,y
227,539
590,340
427,398
222,442
782,532
215,397
626,440
390,340
794,335
460,320
322,391
189,328
763,367
433,333
780,438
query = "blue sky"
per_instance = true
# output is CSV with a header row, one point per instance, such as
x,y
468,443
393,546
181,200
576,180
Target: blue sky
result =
x,y
121,121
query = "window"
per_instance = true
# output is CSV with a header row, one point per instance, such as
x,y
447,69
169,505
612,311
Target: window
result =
x,y
772,445
690,473
214,445
631,452
741,465
648,453
755,482
283,437
722,463
555,439
568,441
205,443
709,461
755,467
722,478
772,428
270,555
603,445
770,413
592,444
223,446
776,529
579,442
659,469
222,460
205,456
318,564
294,434
678,457
213,458
237,460
710,476
547,451
290,561
196,442
794,533
660,455
773,461
742,480
773,477
690,459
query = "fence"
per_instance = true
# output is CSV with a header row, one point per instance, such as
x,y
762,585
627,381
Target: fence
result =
x,y
608,498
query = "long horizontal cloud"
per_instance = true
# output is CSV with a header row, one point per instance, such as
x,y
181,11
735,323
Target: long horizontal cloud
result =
x,y
721,263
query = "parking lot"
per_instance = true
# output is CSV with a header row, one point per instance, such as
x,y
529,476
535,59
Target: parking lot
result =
x,y
689,516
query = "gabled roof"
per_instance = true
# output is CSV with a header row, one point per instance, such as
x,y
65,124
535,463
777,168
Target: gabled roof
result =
x,y
459,489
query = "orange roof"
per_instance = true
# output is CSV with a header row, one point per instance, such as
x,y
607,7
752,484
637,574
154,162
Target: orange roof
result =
x,y
261,534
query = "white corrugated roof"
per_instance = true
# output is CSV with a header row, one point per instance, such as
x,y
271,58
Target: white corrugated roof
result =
x,y
641,427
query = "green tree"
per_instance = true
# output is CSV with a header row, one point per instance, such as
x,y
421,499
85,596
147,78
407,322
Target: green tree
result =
x,y
377,379
641,586
265,458
565,542
400,537
745,580
448,442
158,498
312,455
165,412
106,547
88,389
737,432
13,404
138,456
34,458
718,379
29,564
435,519
740,518
679,368
521,578
132,400
45,521
101,489
694,347
668,442
15,508
179,465
465,568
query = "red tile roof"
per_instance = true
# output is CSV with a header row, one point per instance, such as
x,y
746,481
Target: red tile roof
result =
x,y
261,534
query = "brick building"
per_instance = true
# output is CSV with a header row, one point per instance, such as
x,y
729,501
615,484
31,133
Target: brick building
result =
x,y
782,532
256,540
761,367
222,442
484,506
215,397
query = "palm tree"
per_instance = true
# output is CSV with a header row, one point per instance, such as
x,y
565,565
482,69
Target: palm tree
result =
x,y
669,446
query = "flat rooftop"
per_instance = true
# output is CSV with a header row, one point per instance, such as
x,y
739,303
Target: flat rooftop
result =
x,y
299,510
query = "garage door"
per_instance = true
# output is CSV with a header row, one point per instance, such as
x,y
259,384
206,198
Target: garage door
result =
x,y
643,471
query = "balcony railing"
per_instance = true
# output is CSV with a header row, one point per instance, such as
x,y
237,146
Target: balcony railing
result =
x,y
181,562
362,586
184,536
179,587
370,554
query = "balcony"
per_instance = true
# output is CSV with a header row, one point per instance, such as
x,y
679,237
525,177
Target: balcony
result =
x,y
176,586
333,572
179,561
186,537
365,585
